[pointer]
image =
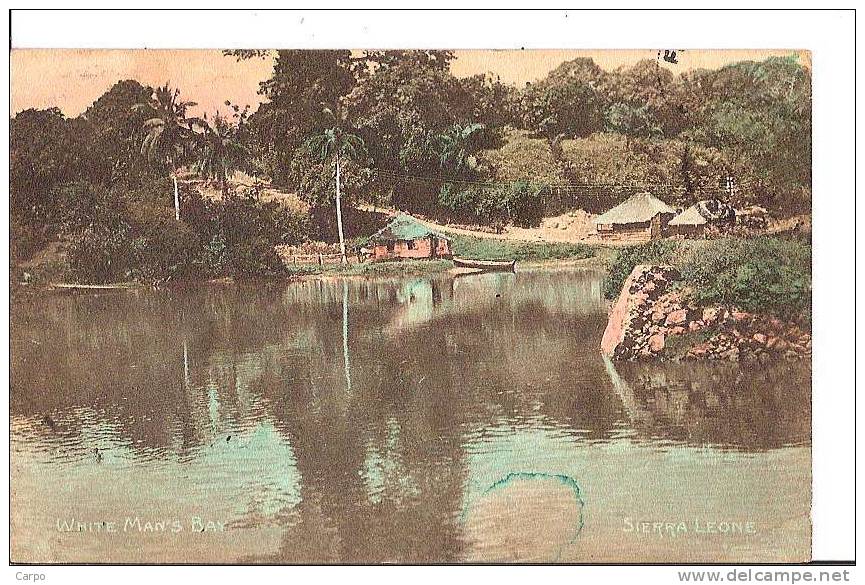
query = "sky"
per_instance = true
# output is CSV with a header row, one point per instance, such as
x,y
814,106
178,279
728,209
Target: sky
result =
x,y
72,79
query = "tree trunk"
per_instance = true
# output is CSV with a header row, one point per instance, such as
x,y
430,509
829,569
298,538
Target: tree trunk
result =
x,y
339,215
176,197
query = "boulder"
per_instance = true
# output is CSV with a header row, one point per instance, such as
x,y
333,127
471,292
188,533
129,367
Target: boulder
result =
x,y
710,315
676,317
656,343
628,315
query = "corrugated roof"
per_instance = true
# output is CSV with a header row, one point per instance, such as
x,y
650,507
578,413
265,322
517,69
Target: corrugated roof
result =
x,y
405,227
636,209
690,216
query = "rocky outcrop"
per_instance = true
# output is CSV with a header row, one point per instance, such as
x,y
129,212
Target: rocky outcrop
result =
x,y
652,319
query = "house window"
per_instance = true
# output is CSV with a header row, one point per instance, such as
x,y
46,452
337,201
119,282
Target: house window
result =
x,y
390,246
410,244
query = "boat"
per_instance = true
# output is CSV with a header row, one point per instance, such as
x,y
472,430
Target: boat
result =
x,y
490,265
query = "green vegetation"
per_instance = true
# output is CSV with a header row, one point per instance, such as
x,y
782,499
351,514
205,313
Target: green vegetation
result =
x,y
656,252
402,130
120,235
766,274
490,249
521,203
760,275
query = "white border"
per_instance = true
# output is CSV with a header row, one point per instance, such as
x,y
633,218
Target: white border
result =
x,y
830,37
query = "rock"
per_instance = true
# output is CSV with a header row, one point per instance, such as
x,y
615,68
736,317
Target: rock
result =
x,y
694,326
710,315
620,315
656,343
759,338
676,317
739,316
731,354
678,330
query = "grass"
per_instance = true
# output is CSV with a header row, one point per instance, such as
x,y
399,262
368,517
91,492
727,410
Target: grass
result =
x,y
769,275
396,268
491,249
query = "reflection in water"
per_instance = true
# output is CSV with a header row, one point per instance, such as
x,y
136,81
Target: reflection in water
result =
x,y
308,432
345,336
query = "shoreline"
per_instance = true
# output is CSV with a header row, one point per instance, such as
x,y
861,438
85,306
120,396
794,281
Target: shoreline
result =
x,y
302,273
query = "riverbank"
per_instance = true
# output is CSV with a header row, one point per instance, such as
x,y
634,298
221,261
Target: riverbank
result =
x,y
53,270
726,299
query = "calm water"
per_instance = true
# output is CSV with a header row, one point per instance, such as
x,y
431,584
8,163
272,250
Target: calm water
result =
x,y
397,420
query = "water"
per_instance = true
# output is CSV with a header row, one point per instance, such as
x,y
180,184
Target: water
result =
x,y
394,420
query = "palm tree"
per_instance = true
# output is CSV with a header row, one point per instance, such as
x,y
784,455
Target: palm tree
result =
x,y
220,153
169,134
336,143
456,145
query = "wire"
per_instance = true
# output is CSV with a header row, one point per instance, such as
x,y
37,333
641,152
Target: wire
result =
x,y
394,175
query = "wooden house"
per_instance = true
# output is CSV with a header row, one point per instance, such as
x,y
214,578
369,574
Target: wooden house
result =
x,y
405,237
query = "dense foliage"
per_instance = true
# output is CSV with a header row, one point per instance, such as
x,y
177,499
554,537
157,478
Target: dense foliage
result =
x,y
468,149
655,252
764,274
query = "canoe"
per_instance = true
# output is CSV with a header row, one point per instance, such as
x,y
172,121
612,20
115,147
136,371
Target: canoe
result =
x,y
93,287
498,265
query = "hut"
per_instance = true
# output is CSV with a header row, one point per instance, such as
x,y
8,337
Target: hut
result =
x,y
640,218
694,220
405,237
688,223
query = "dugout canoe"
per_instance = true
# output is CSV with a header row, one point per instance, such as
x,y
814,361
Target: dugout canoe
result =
x,y
490,265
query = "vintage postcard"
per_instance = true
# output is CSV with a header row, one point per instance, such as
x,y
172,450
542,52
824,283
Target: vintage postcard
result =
x,y
410,306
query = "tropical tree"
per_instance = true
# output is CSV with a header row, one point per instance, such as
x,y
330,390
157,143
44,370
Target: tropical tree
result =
x,y
337,144
115,134
456,147
220,152
169,134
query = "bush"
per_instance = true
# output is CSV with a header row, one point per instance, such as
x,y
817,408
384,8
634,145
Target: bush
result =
x,y
163,248
524,204
25,239
102,253
521,202
655,252
238,234
760,275
460,203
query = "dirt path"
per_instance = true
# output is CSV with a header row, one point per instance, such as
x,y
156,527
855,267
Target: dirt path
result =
x,y
571,227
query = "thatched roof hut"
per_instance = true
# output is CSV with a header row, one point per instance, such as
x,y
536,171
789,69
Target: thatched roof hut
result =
x,y
703,213
641,217
689,217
